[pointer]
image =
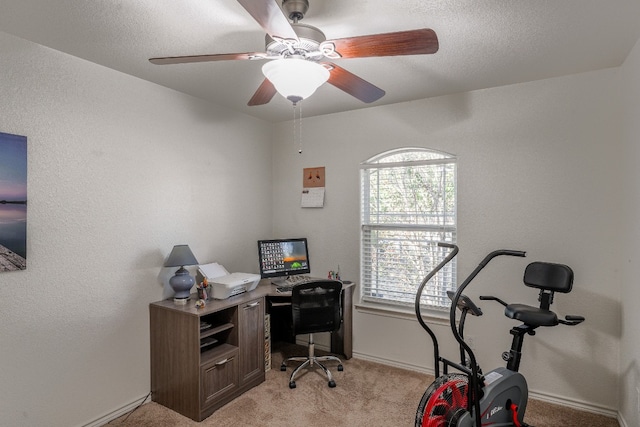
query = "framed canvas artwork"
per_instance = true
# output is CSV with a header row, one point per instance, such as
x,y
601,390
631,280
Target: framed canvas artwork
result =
x,y
13,202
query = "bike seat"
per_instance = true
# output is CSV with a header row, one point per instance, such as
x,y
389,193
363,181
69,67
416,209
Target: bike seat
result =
x,y
549,278
532,316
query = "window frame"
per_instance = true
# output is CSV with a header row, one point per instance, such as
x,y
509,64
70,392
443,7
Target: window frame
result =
x,y
445,231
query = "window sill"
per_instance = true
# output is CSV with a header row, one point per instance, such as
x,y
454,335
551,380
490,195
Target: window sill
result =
x,y
435,317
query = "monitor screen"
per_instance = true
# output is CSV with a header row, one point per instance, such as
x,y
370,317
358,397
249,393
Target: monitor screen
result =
x,y
283,257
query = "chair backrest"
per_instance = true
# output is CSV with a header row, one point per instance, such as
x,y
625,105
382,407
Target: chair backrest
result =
x,y
316,306
549,277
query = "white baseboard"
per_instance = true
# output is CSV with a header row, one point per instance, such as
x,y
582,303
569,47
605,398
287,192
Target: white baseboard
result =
x,y
622,421
576,404
116,413
545,397
394,363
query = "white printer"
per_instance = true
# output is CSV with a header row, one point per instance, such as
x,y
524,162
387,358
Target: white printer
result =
x,y
224,284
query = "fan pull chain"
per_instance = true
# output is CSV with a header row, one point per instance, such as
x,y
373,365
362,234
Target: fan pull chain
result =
x,y
294,124
297,121
300,129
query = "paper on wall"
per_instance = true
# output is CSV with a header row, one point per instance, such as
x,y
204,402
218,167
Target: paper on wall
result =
x,y
312,197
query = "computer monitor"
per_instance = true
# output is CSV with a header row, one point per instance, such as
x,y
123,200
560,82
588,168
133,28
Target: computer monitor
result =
x,y
282,258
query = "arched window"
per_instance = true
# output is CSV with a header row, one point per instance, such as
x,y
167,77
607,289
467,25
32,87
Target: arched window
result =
x,y
408,205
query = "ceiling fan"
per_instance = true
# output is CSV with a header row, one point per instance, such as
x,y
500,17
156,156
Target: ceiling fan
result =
x,y
288,43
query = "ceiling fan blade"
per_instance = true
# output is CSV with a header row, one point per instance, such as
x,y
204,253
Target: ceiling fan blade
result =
x,y
205,58
354,85
263,95
412,42
270,17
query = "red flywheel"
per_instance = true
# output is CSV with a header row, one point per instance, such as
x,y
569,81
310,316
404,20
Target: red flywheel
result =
x,y
443,402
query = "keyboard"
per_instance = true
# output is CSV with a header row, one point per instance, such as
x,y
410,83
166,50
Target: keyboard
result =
x,y
284,288
287,285
298,278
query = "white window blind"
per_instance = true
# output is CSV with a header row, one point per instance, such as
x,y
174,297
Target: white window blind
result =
x,y
408,205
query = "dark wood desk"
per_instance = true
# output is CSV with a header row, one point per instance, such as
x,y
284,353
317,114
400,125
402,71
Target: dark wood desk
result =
x,y
202,358
279,307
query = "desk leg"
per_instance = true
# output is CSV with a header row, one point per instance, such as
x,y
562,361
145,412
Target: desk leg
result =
x,y
341,340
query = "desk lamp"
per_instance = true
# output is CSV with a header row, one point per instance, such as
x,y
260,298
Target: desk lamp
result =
x,y
181,282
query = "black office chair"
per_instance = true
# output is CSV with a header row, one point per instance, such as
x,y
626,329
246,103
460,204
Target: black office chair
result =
x,y
315,307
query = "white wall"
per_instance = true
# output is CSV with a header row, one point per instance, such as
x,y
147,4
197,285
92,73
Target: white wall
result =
x,y
537,171
120,170
629,397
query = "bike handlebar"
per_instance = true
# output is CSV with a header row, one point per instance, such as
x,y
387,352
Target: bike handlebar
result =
x,y
447,245
571,320
454,251
449,257
474,380
486,298
499,252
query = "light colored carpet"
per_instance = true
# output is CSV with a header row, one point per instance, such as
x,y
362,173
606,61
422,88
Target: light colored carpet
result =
x,y
367,394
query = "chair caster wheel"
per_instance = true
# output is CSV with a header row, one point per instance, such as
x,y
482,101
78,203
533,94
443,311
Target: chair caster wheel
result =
x,y
283,367
340,368
292,384
332,384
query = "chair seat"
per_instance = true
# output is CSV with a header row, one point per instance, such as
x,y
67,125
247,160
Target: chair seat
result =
x,y
532,316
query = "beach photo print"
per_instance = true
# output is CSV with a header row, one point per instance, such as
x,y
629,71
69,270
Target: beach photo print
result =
x,y
13,202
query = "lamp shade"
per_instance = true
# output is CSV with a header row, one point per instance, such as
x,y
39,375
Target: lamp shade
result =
x,y
181,282
180,256
295,78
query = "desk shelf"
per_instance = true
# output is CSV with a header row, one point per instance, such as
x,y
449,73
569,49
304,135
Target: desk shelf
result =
x,y
215,330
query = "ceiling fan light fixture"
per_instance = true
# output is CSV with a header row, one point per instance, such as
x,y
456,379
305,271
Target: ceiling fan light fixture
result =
x,y
295,78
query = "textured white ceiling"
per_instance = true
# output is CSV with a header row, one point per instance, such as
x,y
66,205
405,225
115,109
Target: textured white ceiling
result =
x,y
482,43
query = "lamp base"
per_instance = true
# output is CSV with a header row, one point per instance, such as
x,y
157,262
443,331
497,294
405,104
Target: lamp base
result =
x,y
182,283
181,301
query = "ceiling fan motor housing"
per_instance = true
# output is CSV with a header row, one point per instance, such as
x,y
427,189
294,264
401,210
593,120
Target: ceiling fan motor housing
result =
x,y
295,9
308,45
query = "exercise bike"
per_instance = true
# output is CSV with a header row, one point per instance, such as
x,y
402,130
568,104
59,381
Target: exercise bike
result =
x,y
469,398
